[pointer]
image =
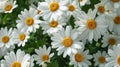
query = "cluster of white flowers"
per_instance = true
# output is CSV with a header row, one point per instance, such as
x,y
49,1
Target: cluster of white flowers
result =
x,y
102,22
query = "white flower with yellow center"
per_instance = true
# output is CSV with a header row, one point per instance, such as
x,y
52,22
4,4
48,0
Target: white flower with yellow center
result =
x,y
83,2
66,41
100,59
20,59
80,59
52,26
90,26
28,20
110,40
52,9
115,3
73,8
104,7
20,36
8,6
6,38
113,21
114,57
43,55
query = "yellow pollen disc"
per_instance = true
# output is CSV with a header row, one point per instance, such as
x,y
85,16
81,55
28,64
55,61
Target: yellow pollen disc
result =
x,y
8,7
67,42
101,9
16,64
91,24
38,11
71,8
44,57
117,20
78,57
118,60
81,0
53,6
115,1
101,59
53,24
22,36
112,41
29,21
5,39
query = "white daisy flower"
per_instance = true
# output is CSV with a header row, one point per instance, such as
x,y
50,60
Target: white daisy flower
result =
x,y
28,20
115,3
73,9
20,36
114,57
100,59
110,40
8,6
66,41
43,55
52,9
52,26
104,7
6,38
90,26
80,59
113,21
83,2
4,50
20,59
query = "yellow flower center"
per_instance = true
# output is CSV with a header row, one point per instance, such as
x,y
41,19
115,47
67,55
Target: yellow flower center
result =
x,y
118,60
78,57
8,7
53,24
29,21
117,20
38,11
22,36
115,1
101,9
112,41
67,42
16,64
53,6
91,24
45,57
101,59
5,39
80,0
71,7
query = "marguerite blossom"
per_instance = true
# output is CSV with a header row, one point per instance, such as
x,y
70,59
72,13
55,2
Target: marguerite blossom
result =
x,y
81,58
66,41
110,40
91,27
20,36
100,59
52,26
6,38
52,9
18,59
28,20
114,3
43,55
8,6
114,57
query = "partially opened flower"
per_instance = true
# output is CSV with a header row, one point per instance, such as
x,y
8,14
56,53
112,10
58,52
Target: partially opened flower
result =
x,y
18,59
43,55
66,41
